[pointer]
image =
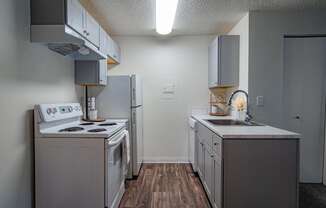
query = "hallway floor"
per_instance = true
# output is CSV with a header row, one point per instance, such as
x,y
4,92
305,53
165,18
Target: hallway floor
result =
x,y
165,186
176,186
312,196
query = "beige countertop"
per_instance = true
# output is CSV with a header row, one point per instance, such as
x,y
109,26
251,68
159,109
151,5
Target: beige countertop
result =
x,y
244,132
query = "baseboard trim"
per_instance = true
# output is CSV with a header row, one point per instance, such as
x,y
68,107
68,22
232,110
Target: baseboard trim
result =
x,y
166,160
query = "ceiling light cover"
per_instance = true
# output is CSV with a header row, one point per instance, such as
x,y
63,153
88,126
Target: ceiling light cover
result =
x,y
165,14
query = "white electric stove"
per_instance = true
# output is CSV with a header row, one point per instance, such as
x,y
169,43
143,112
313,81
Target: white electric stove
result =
x,y
64,120
77,163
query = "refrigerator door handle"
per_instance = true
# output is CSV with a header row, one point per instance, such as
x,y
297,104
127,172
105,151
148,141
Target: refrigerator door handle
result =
x,y
134,95
133,118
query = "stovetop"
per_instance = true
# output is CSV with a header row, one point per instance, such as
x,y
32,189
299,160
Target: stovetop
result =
x,y
85,129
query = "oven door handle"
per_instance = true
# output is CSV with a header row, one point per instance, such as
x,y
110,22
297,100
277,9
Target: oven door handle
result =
x,y
117,140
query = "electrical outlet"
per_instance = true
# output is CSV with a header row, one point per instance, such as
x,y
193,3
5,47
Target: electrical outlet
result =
x,y
260,101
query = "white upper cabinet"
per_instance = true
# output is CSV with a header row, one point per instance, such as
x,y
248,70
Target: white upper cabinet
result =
x,y
75,16
223,63
82,22
113,51
109,47
92,29
103,41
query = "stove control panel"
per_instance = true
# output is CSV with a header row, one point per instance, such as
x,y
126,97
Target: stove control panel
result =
x,y
55,112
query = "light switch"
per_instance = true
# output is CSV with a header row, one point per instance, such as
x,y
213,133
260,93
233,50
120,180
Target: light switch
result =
x,y
260,100
169,89
168,92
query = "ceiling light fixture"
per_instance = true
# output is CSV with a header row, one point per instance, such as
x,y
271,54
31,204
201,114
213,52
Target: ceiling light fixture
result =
x,y
165,14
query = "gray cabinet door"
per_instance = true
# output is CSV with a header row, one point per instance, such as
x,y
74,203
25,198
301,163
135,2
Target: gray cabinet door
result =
x,y
103,40
75,12
201,156
217,180
213,63
91,72
93,29
223,61
209,180
103,72
117,53
113,50
228,70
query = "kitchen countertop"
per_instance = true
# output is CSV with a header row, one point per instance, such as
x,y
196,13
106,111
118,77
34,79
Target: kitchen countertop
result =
x,y
245,132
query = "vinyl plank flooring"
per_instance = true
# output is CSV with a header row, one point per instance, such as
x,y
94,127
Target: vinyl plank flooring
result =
x,y
165,186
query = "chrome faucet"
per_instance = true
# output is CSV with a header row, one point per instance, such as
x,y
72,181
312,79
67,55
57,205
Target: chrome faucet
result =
x,y
248,115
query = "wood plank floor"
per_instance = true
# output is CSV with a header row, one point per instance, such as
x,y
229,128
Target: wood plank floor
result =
x,y
165,186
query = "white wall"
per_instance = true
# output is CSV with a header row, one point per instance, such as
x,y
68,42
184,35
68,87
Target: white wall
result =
x,y
29,74
242,29
182,60
267,30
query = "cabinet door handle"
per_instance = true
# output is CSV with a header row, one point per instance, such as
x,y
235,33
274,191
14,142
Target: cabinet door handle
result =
x,y
215,143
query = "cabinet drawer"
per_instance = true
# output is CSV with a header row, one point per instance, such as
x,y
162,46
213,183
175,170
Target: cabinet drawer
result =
x,y
217,145
204,134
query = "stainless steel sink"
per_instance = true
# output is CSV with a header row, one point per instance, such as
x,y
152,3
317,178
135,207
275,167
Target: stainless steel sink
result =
x,y
230,122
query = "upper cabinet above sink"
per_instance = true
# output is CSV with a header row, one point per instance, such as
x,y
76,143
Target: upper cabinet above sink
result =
x,y
223,63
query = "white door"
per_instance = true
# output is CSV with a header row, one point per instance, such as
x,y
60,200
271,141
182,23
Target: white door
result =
x,y
304,103
115,172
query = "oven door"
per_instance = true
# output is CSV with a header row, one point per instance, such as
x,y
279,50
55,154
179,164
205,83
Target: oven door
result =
x,y
115,170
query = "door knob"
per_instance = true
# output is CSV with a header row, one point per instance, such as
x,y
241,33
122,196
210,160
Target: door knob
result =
x,y
296,117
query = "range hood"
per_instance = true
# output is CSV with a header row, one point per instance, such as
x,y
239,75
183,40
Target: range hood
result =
x,y
65,41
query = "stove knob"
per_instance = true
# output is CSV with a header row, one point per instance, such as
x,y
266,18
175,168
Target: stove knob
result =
x,y
70,109
49,111
54,110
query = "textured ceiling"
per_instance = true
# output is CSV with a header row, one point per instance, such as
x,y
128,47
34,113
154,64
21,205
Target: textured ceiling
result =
x,y
137,17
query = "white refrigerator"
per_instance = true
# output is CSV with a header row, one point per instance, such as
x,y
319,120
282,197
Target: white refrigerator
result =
x,y
122,98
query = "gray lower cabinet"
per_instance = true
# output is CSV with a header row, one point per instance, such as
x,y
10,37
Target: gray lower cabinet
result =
x,y
209,178
217,181
248,173
201,157
91,72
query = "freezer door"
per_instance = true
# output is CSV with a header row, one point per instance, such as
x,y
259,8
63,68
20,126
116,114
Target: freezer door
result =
x,y
137,139
113,101
136,90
